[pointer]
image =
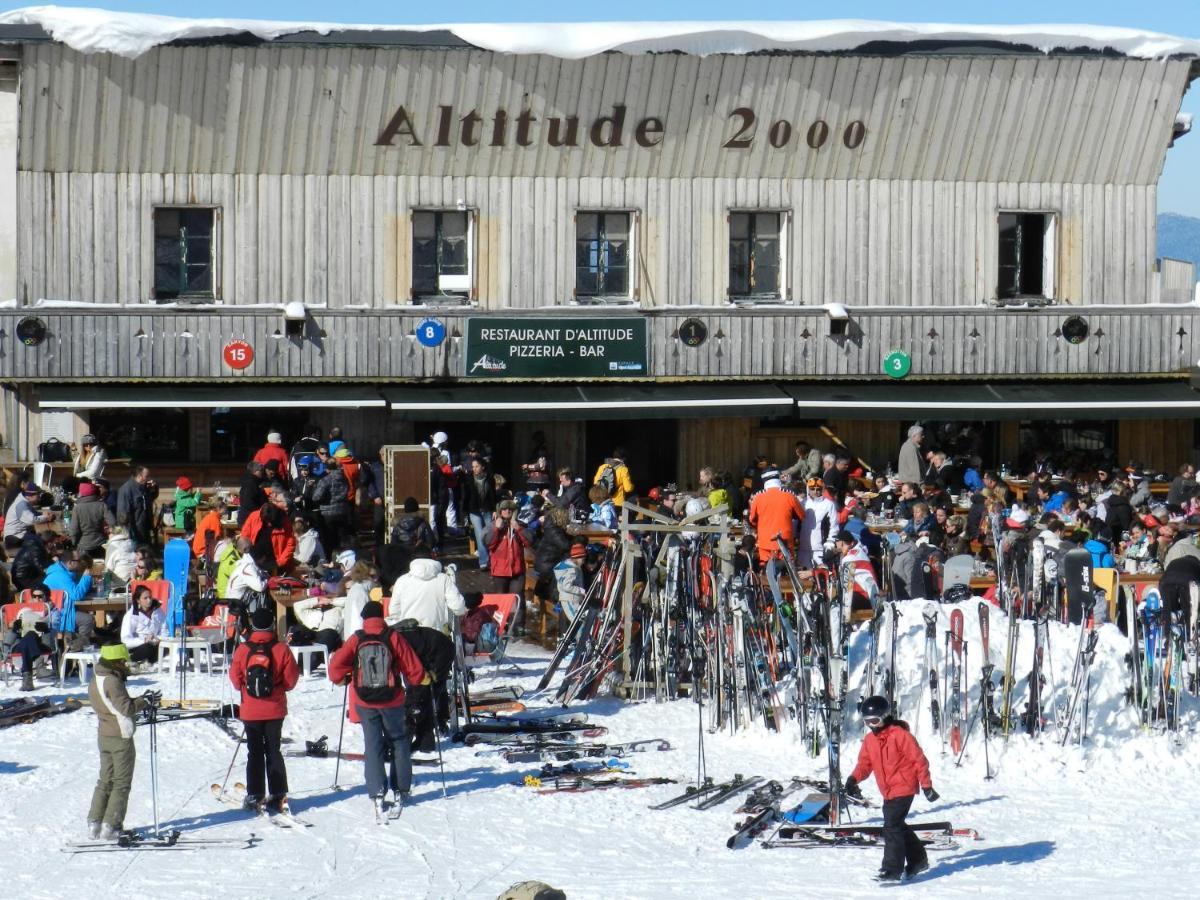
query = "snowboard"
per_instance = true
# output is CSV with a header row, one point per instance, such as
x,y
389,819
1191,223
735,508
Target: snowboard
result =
x,y
813,808
957,570
1077,574
177,562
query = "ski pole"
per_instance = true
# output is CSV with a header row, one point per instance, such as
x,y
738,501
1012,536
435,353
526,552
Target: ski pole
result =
x,y
341,731
153,714
437,738
237,748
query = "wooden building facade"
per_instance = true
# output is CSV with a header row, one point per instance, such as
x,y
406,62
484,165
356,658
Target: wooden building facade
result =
x,y
987,212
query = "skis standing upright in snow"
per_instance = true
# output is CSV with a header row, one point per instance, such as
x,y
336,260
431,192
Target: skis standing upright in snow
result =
x,y
931,669
956,704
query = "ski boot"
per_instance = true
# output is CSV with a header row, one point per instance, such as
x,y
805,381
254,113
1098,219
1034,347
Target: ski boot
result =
x,y
94,830
912,870
883,876
278,804
27,682
253,803
108,833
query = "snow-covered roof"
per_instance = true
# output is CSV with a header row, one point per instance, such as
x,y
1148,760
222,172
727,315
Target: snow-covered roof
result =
x,y
132,34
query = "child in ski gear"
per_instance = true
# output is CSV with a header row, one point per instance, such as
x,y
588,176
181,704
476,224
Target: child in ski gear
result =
x,y
115,711
374,662
893,756
264,670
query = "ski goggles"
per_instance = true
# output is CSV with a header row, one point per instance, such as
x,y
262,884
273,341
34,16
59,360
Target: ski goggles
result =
x,y
873,721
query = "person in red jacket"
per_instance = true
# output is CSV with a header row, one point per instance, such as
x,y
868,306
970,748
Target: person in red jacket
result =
x,y
893,756
382,714
273,450
261,663
506,543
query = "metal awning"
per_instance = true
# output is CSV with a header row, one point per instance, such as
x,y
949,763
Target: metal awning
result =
x,y
532,401
979,401
187,396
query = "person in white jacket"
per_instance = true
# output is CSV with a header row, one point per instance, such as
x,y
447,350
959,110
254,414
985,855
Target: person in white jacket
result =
x,y
90,459
428,595
819,526
359,582
143,626
320,622
120,555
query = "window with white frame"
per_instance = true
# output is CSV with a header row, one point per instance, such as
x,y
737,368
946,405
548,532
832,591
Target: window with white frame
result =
x,y
1026,255
442,255
184,250
757,255
603,255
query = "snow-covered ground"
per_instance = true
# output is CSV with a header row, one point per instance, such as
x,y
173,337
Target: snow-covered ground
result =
x,y
1110,820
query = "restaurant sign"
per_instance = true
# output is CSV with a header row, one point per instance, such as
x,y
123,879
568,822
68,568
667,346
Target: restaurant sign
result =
x,y
555,348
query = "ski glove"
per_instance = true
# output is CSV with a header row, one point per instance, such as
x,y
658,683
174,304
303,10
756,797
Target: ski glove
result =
x,y
931,795
152,698
852,788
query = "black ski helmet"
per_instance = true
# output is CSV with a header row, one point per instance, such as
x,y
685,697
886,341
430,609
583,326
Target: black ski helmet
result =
x,y
876,707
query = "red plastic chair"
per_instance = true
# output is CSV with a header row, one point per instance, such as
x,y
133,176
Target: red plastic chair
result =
x,y
504,608
57,598
160,590
10,613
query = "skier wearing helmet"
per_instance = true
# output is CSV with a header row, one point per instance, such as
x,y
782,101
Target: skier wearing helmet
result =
x,y
893,756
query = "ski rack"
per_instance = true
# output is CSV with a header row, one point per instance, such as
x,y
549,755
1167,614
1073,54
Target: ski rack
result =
x,y
657,522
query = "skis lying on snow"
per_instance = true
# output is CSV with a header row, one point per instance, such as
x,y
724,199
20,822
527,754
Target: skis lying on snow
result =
x,y
763,805
524,738
168,840
579,783
934,835
283,818
563,722
584,767
561,752
24,710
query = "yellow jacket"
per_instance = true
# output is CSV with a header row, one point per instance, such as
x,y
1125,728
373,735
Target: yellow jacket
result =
x,y
623,483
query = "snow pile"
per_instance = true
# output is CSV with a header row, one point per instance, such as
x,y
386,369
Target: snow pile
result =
x,y
1051,819
132,34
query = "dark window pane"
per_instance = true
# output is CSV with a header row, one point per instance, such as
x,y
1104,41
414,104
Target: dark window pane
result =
x,y
766,225
424,225
616,225
616,281
1033,238
235,434
587,282
143,434
739,226
183,253
587,225
617,253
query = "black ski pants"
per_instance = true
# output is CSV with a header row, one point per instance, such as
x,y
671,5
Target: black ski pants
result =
x,y
264,758
901,846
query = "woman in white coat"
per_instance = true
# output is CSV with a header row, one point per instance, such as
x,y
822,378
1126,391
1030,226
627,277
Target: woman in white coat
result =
x,y
143,626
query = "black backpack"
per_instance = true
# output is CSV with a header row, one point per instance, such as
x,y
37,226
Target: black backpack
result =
x,y
608,478
375,678
260,669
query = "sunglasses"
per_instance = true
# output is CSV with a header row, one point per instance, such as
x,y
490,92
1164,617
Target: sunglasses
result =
x,y
38,596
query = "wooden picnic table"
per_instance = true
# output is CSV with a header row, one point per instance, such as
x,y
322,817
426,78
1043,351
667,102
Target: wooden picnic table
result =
x,y
101,606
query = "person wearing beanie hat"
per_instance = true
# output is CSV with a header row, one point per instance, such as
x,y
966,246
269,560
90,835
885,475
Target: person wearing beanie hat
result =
x,y
90,458
273,450
116,714
264,670
91,520
858,561
374,663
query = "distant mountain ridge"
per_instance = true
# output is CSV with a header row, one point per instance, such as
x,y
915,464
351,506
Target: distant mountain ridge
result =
x,y
1179,237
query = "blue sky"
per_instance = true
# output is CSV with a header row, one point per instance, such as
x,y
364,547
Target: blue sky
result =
x,y
1179,190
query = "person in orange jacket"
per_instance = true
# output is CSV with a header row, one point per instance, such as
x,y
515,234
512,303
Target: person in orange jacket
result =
x,y
893,756
773,513
209,524
264,670
272,540
377,702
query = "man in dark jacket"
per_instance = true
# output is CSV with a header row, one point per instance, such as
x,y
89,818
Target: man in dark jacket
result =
x,y
478,500
31,561
134,502
260,659
412,530
552,548
90,520
383,720
1183,487
570,494
332,498
436,652
372,482
250,491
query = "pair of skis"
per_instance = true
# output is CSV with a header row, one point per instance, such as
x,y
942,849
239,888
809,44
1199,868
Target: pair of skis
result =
x,y
169,840
280,817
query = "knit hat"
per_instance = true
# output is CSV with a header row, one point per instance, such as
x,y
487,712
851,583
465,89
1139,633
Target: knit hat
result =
x,y
274,438
507,504
263,619
847,536
342,453
183,483
87,489
346,559
578,551
114,652
439,438
88,440
372,610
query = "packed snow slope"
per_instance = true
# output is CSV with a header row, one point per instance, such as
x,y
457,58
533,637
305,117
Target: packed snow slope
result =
x,y
132,34
1110,819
